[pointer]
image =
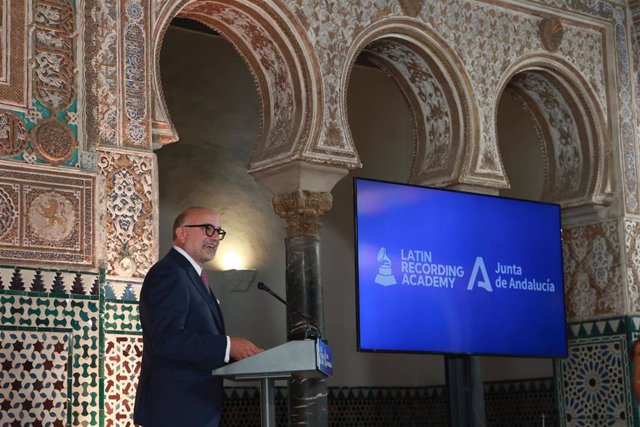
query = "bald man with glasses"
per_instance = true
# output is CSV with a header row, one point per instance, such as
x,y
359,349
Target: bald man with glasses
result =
x,y
183,331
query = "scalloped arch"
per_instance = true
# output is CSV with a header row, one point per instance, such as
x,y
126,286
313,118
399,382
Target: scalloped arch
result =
x,y
573,127
437,90
273,44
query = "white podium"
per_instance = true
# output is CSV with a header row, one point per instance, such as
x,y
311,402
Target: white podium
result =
x,y
309,357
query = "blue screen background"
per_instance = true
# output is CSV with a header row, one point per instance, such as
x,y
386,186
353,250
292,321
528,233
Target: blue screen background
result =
x,y
455,229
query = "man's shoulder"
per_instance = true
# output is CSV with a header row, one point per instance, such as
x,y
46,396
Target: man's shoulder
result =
x,y
170,261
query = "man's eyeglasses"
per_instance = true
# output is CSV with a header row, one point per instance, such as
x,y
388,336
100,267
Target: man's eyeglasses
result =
x,y
209,230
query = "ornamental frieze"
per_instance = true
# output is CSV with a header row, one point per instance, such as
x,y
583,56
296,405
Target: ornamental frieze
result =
x,y
14,54
101,72
54,79
134,84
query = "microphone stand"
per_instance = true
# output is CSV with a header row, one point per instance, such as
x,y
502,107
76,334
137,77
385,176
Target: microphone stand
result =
x,y
309,333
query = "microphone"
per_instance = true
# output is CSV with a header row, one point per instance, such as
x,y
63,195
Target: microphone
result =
x,y
309,333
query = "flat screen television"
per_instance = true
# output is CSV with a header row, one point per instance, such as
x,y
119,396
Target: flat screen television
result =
x,y
442,271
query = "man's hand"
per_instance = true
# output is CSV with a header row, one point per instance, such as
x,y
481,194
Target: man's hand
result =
x,y
241,348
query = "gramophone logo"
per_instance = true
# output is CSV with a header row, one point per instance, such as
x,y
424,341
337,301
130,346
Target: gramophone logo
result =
x,y
385,275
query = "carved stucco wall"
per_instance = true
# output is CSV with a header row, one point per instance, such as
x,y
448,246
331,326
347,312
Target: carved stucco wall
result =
x,y
300,54
482,35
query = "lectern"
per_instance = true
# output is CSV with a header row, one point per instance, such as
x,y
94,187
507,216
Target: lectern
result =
x,y
311,357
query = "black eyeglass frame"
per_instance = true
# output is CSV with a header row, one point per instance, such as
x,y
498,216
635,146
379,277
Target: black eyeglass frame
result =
x,y
209,229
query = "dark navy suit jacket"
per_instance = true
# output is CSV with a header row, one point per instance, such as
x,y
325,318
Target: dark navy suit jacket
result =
x,y
184,340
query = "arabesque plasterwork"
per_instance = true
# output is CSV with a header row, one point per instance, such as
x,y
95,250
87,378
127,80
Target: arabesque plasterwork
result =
x,y
136,124
128,212
569,158
101,72
15,56
593,271
632,255
435,144
54,75
472,29
272,64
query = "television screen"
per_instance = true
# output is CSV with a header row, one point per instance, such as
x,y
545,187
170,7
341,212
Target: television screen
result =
x,y
442,271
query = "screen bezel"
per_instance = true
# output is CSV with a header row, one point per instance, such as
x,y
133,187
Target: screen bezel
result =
x,y
480,195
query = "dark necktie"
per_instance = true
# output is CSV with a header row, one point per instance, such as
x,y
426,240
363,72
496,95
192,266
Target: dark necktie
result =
x,y
205,280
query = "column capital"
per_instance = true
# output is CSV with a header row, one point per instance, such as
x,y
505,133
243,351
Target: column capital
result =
x,y
302,210
300,175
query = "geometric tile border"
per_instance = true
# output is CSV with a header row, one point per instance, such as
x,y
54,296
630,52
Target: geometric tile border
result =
x,y
122,290
32,281
33,377
594,381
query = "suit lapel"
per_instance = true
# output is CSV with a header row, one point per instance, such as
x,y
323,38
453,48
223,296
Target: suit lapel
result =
x,y
207,296
200,288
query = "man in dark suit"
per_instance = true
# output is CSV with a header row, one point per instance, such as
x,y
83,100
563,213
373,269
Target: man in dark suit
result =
x,y
183,331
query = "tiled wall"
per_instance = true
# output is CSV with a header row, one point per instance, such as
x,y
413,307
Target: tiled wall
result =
x,y
70,347
594,382
49,347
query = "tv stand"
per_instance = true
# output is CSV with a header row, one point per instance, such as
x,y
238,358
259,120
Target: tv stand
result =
x,y
466,392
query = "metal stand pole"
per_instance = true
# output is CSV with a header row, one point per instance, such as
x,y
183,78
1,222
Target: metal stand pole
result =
x,y
267,402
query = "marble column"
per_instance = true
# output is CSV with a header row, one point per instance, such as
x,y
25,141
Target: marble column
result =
x,y
302,210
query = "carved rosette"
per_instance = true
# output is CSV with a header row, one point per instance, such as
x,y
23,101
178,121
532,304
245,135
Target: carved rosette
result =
x,y
13,134
551,33
302,210
54,79
130,230
53,141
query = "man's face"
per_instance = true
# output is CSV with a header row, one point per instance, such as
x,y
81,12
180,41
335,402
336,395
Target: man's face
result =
x,y
194,240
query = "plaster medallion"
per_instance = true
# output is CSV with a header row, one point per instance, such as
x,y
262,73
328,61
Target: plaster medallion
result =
x,y
52,216
53,141
551,33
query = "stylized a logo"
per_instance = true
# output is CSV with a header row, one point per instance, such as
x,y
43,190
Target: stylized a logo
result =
x,y
485,283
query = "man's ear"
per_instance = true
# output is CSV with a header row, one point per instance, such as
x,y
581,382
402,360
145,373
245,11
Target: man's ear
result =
x,y
180,235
